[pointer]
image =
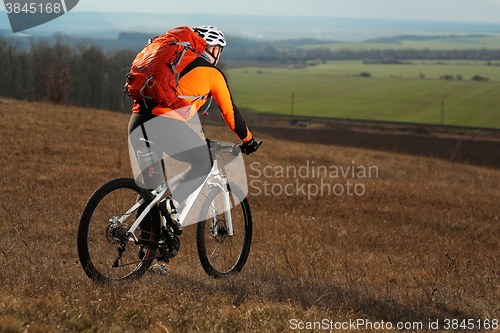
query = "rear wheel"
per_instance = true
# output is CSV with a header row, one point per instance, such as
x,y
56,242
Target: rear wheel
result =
x,y
106,252
219,253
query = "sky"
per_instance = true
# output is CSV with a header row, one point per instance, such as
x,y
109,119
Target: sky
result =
x,y
410,15
484,11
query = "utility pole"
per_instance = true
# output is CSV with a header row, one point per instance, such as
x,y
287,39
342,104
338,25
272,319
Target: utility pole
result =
x,y
442,112
292,102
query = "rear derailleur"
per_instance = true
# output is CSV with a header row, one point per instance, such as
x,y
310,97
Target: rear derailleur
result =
x,y
117,232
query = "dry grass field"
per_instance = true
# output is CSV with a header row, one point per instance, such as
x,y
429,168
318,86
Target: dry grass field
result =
x,y
421,243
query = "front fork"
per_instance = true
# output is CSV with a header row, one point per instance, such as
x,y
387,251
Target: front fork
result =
x,y
226,194
227,210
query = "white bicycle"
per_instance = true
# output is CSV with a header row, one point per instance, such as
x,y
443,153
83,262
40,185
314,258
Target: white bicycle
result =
x,y
123,228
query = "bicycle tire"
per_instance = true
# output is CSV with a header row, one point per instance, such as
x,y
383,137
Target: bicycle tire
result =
x,y
98,250
221,254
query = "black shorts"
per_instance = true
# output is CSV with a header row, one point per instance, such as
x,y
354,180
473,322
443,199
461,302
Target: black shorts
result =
x,y
177,140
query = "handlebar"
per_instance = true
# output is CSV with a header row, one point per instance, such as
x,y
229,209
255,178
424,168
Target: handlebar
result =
x,y
234,149
216,147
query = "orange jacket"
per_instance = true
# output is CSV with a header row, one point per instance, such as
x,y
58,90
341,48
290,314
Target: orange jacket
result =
x,y
197,81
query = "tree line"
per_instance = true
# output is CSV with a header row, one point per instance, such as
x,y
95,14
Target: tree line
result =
x,y
61,72
268,53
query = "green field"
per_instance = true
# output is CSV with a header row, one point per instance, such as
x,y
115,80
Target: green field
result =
x,y
393,92
448,43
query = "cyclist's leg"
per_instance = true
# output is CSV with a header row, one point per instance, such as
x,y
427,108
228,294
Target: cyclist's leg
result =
x,y
190,148
136,120
179,142
146,154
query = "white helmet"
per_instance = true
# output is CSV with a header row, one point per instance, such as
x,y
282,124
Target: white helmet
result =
x,y
211,35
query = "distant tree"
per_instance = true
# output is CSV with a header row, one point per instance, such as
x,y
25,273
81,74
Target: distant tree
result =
x,y
43,67
114,79
8,52
479,78
58,73
92,69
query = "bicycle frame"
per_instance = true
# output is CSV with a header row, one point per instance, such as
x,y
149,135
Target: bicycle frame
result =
x,y
214,178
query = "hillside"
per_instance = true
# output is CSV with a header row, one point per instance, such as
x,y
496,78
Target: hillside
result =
x,y
420,243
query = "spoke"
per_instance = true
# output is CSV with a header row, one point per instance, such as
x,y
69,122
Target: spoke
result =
x,y
231,245
103,208
214,251
237,239
224,257
238,212
101,219
139,261
104,260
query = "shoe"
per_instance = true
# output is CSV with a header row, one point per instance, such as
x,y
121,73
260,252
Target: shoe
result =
x,y
172,208
159,269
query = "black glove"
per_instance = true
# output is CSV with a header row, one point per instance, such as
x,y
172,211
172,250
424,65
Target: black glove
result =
x,y
250,146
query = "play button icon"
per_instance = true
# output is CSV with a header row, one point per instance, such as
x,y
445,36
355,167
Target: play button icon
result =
x,y
26,14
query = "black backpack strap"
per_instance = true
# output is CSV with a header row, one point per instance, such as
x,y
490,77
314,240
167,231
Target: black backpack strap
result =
x,y
146,109
198,62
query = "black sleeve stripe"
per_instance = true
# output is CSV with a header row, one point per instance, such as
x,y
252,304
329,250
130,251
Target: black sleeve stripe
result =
x,y
198,62
240,127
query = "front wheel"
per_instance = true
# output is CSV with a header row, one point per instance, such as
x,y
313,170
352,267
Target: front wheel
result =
x,y
106,251
221,254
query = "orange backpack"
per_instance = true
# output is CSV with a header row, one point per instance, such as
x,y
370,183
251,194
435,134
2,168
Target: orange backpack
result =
x,y
154,75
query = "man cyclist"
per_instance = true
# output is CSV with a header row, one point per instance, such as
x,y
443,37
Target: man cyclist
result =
x,y
199,80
